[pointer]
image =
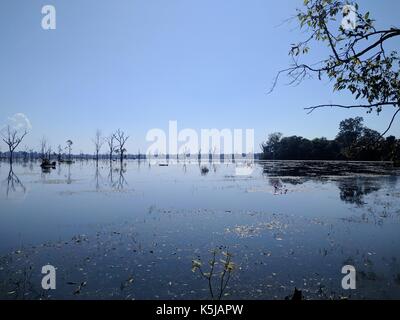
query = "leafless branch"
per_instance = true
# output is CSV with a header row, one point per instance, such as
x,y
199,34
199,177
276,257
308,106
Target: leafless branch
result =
x,y
365,106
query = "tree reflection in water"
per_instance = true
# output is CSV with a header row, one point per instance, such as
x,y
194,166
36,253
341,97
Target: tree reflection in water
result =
x,y
120,182
366,178
97,177
13,184
353,190
69,178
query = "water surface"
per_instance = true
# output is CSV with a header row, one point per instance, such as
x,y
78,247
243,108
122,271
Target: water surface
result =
x,y
132,232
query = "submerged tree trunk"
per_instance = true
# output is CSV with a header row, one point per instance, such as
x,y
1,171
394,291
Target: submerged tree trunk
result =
x,y
11,156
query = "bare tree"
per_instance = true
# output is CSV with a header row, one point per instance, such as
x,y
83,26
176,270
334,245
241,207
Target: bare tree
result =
x,y
13,138
98,142
60,151
69,147
110,142
25,153
121,139
45,149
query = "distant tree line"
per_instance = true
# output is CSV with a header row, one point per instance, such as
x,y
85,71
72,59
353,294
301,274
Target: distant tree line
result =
x,y
354,141
13,137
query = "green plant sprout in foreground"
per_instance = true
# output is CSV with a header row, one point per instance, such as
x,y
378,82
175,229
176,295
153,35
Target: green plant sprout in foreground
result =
x,y
219,274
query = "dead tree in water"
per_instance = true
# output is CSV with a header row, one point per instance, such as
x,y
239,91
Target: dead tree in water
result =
x,y
45,149
12,138
98,142
121,139
69,147
59,154
110,142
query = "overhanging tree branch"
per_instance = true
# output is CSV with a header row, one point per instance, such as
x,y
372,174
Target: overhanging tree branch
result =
x,y
364,106
358,61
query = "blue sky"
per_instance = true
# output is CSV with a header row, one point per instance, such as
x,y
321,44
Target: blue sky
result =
x,y
135,65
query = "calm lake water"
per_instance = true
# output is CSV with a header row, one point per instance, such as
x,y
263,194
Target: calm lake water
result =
x,y
133,232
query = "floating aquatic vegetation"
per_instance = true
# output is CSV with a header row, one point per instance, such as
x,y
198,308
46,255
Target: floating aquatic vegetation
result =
x,y
245,231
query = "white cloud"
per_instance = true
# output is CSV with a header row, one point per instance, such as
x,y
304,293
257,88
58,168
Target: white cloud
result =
x,y
19,121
